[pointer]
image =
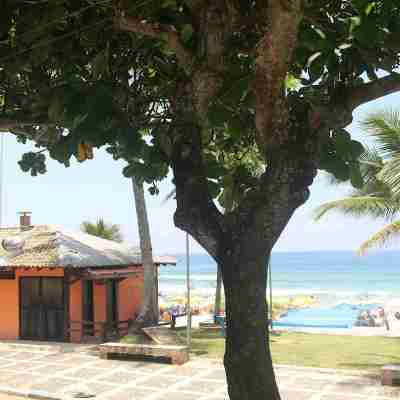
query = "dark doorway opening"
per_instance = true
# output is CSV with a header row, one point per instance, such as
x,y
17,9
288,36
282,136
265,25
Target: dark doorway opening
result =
x,y
112,304
42,309
88,309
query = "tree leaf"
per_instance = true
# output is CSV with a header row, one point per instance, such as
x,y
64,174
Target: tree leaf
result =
x,y
187,32
169,4
56,109
356,178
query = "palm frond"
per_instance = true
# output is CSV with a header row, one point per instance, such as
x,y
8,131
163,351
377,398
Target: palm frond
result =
x,y
381,238
103,230
390,175
371,163
359,207
384,127
371,157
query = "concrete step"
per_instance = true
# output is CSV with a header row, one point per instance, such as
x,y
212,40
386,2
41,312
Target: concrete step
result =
x,y
48,347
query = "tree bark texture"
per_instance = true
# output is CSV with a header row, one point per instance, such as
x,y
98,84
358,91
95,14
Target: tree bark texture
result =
x,y
218,294
240,242
149,313
247,360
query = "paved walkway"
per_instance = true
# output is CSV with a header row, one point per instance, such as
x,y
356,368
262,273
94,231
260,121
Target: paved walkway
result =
x,y
73,375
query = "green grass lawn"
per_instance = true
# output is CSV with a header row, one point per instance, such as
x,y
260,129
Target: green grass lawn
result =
x,y
323,351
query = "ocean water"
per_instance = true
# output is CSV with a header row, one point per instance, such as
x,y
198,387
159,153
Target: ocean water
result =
x,y
340,276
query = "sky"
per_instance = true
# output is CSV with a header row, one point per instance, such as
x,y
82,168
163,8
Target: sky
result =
x,y
97,188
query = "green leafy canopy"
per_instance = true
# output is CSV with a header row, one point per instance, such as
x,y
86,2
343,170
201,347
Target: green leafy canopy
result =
x,y
66,66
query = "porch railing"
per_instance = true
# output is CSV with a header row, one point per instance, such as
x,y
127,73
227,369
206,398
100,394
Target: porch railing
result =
x,y
100,330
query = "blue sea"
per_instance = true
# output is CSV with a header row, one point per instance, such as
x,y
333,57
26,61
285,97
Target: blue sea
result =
x,y
340,276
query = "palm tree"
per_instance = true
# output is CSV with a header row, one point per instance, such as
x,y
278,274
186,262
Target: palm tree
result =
x,y
149,313
103,230
379,196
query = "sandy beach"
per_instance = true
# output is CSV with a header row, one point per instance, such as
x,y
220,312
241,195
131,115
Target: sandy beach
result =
x,y
202,312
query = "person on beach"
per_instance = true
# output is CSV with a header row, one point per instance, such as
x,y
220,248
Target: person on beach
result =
x,y
366,319
383,316
174,314
380,318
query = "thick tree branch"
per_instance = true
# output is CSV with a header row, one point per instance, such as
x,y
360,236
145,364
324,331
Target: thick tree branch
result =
x,y
216,24
11,125
338,113
373,90
7,125
165,33
274,53
32,128
196,212
280,191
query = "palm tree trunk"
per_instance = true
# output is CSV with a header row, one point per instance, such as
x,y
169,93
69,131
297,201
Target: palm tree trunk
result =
x,y
149,314
217,306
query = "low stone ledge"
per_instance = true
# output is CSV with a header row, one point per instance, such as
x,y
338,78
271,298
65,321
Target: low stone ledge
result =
x,y
177,354
391,375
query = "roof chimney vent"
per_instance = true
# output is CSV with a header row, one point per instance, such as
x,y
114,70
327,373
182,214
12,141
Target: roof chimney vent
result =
x,y
25,220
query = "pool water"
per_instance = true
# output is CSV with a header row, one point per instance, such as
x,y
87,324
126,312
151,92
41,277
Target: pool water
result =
x,y
340,316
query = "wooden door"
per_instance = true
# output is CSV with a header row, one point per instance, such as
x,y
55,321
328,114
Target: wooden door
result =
x,y
112,304
30,303
42,308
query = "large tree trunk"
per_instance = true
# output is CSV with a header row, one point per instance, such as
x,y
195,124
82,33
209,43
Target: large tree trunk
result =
x,y
241,241
149,314
218,290
248,361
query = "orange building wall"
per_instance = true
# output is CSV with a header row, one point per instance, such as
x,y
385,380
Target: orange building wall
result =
x,y
130,292
9,299
130,295
9,309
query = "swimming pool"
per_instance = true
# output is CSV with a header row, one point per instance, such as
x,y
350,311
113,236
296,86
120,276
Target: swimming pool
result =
x,y
340,316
